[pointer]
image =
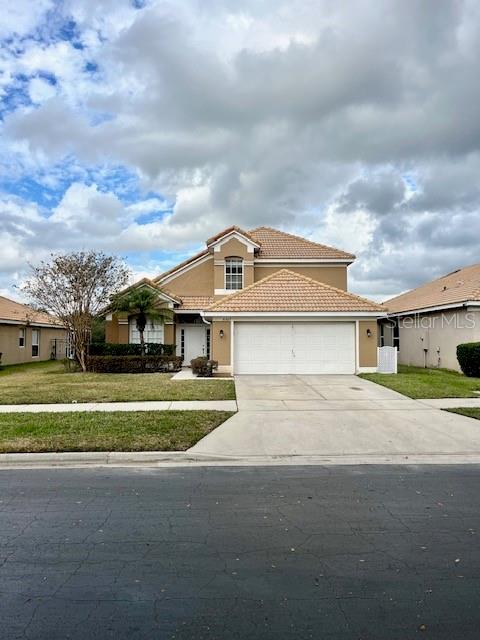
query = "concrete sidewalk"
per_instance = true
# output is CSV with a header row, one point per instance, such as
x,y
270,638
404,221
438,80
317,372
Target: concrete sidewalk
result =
x,y
169,405
451,403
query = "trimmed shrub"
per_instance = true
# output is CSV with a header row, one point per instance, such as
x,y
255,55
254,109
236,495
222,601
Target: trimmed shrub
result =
x,y
151,349
203,367
133,364
468,356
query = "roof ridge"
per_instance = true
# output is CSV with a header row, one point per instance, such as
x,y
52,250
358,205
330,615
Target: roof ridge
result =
x,y
292,235
301,276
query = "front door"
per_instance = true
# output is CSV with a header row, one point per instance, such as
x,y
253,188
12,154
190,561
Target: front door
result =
x,y
194,343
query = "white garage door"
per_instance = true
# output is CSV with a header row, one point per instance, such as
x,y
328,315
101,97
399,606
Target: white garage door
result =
x,y
298,347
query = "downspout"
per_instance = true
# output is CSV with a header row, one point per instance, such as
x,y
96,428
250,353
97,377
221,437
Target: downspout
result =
x,y
202,316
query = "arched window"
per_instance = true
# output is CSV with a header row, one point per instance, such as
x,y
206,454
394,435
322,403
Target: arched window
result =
x,y
233,274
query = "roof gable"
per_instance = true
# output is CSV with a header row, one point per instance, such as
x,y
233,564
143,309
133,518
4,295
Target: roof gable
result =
x,y
288,291
230,231
457,287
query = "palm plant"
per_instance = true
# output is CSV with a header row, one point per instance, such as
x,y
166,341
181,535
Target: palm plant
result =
x,y
143,304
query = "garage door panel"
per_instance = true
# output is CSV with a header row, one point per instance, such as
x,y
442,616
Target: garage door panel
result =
x,y
283,348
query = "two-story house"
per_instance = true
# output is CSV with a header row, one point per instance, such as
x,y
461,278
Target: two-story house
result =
x,y
263,302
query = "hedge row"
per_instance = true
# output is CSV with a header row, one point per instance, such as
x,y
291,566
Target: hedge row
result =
x,y
151,349
468,356
133,364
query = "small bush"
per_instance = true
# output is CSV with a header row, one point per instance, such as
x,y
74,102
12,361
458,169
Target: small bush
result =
x,y
151,349
468,356
134,364
203,367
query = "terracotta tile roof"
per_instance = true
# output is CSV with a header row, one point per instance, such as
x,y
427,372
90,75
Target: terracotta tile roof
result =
x,y
285,290
456,287
149,283
196,302
22,313
228,230
273,244
278,244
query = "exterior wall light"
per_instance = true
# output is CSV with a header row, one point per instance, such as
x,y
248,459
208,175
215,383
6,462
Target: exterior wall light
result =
x,y
369,333
221,333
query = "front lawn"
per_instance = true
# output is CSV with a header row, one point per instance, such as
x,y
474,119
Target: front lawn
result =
x,y
45,382
416,382
470,412
105,431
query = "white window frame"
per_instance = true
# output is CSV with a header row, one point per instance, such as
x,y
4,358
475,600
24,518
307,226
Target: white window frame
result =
x,y
22,334
36,336
228,261
134,335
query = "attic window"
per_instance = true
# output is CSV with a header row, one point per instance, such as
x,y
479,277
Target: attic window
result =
x,y
233,274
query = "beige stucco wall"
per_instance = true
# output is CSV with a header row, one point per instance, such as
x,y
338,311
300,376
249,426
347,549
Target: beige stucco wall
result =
x,y
220,347
13,354
169,334
439,333
111,330
334,276
197,281
117,332
233,248
367,346
219,277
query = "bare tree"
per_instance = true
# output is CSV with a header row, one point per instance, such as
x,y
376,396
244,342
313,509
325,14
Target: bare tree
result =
x,y
75,287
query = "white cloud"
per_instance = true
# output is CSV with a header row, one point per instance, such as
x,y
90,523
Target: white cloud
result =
x,y
22,16
40,90
304,115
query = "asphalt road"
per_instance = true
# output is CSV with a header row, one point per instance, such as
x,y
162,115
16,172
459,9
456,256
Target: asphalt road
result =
x,y
253,553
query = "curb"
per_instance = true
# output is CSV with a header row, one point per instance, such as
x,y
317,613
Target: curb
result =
x,y
102,458
184,458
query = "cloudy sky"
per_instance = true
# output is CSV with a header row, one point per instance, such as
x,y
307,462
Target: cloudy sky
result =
x,y
142,127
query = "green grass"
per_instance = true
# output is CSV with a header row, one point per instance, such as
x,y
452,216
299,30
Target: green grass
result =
x,y
470,412
44,382
416,382
106,431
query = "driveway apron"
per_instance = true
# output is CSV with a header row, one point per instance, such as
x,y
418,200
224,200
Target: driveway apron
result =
x,y
296,415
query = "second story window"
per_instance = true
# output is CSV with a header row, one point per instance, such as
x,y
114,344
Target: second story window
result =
x,y
233,273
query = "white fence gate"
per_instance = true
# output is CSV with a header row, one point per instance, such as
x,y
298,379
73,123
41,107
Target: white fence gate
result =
x,y
387,359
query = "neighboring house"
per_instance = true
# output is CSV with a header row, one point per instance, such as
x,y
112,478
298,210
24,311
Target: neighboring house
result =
x,y
426,324
263,301
27,335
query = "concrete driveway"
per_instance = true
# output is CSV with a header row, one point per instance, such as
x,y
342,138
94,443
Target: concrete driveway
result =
x,y
328,415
